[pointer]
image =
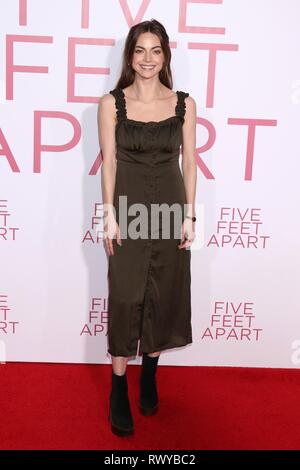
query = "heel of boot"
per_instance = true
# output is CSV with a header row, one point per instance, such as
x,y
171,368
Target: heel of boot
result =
x,y
148,411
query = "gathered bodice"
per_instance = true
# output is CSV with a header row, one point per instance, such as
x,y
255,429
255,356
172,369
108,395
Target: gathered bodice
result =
x,y
149,143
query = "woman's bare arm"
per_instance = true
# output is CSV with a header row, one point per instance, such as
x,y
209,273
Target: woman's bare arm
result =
x,y
106,118
106,127
189,166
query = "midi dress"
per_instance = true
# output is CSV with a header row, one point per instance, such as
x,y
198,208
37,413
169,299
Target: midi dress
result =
x,y
149,280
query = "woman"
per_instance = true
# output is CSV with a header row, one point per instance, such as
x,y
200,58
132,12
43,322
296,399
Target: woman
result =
x,y
142,124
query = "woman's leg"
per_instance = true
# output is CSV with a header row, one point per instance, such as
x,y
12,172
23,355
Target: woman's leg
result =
x,y
155,354
148,387
119,364
120,413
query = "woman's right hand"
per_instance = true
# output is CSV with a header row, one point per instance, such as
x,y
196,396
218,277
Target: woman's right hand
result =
x,y
111,230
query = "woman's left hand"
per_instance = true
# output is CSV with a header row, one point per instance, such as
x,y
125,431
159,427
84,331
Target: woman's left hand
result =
x,y
187,233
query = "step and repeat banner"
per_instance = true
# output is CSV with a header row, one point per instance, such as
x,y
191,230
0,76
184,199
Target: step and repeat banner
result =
x,y
239,60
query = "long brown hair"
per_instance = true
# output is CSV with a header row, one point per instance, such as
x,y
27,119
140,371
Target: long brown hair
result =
x,y
155,27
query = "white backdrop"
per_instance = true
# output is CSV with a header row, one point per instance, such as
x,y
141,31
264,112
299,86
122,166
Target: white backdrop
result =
x,y
239,59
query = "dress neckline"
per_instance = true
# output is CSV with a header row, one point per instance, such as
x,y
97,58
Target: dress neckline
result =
x,y
135,121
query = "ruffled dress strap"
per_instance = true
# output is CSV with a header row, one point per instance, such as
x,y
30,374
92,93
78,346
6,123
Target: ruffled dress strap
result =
x,y
120,103
181,105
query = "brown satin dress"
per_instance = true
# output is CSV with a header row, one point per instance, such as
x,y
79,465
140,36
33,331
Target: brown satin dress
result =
x,y
149,298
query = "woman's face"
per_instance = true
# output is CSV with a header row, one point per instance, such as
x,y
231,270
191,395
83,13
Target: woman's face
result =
x,y
148,56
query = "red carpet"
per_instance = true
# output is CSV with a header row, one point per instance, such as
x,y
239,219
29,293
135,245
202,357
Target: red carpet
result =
x,y
65,406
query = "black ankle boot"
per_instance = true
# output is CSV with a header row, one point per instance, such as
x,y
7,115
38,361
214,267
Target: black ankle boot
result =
x,y
148,388
119,407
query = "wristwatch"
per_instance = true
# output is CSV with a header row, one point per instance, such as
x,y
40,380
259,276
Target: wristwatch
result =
x,y
192,218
